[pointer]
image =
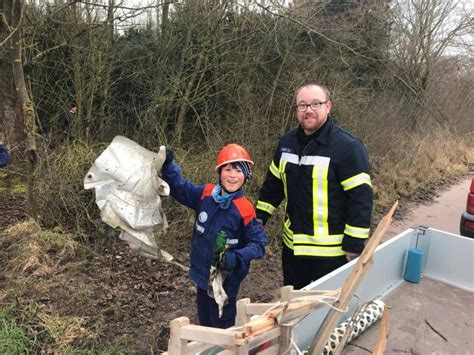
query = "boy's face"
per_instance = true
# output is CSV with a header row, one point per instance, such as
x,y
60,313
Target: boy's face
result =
x,y
232,178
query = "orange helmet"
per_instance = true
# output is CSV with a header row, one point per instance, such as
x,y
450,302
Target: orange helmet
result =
x,y
232,153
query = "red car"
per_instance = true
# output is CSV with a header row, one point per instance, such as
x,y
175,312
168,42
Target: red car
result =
x,y
467,218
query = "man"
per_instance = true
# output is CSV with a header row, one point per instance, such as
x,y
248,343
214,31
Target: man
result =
x,y
323,173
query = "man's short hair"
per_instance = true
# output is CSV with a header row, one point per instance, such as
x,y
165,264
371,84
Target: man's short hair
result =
x,y
322,87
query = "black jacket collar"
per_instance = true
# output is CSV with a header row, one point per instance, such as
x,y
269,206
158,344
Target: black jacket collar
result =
x,y
321,136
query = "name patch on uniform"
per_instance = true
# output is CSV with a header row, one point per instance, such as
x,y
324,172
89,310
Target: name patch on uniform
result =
x,y
202,217
284,149
200,228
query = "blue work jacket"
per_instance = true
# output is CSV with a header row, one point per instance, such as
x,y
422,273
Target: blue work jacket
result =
x,y
236,217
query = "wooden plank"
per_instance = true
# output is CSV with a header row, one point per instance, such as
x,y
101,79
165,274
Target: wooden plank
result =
x,y
285,337
208,335
258,308
176,345
264,337
256,329
287,311
241,317
351,284
303,293
381,343
294,311
285,292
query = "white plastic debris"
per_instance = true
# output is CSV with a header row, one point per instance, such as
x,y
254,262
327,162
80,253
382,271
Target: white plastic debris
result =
x,y
356,325
128,189
216,288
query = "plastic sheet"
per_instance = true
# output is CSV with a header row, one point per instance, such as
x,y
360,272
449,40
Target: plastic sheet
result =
x,y
128,189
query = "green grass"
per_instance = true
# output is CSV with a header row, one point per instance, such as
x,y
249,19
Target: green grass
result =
x,y
12,183
13,337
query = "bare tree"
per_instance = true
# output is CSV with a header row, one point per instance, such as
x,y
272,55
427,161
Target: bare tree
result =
x,y
424,31
13,15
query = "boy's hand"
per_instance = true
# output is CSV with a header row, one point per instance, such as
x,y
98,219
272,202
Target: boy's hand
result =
x,y
229,261
169,156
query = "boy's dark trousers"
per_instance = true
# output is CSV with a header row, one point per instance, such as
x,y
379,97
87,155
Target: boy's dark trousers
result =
x,y
208,311
300,271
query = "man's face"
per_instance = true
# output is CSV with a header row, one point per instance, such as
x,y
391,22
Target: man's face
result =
x,y
311,120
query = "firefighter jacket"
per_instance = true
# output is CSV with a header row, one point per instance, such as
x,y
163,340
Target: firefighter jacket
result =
x,y
236,217
327,191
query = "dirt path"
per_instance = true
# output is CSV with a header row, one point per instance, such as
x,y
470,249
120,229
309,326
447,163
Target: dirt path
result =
x,y
443,213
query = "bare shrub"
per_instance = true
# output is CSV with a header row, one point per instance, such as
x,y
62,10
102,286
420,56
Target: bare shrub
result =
x,y
62,200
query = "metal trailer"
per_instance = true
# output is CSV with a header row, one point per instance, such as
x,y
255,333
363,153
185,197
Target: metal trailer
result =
x,y
434,316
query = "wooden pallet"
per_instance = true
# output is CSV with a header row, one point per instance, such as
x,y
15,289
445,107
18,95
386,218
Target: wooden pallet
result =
x,y
274,324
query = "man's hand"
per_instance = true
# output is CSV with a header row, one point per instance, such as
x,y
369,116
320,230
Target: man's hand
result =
x,y
351,256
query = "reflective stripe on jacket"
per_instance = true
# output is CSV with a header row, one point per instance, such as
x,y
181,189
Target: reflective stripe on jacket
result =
x,y
327,191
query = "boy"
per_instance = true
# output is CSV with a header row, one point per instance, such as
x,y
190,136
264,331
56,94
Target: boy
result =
x,y
222,210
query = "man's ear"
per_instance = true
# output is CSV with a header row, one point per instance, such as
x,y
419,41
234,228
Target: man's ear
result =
x,y
329,104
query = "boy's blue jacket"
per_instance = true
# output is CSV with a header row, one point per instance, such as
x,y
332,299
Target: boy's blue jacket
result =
x,y
236,216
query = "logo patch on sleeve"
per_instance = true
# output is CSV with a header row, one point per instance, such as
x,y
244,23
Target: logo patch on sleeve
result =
x,y
202,217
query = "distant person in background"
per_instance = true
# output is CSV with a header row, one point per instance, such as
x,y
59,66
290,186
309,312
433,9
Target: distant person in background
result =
x,y
323,173
69,121
4,156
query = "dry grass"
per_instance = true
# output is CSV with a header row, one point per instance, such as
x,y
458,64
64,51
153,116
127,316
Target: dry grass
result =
x,y
418,163
38,252
65,331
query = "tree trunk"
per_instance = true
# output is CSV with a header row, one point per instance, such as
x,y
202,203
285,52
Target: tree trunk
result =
x,y
9,124
26,107
108,45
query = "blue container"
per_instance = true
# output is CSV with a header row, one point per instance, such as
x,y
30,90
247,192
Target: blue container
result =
x,y
414,265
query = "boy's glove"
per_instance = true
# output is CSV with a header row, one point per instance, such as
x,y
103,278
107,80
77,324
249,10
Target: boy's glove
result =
x,y
169,156
229,261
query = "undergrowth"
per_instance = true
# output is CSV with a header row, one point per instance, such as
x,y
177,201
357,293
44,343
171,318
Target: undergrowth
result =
x,y
45,305
14,338
400,168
